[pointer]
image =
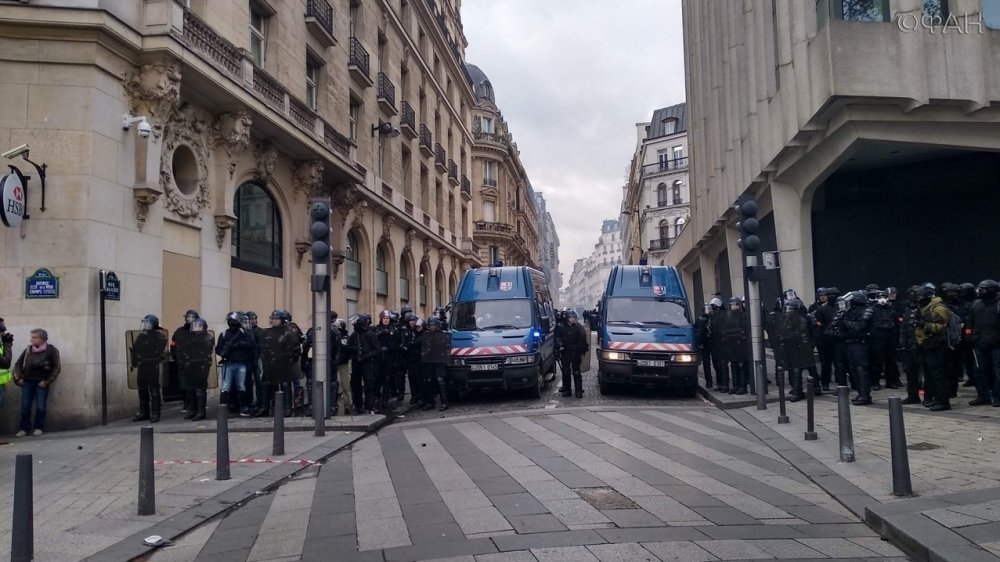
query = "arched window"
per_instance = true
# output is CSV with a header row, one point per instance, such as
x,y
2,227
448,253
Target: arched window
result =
x,y
679,226
438,288
676,192
661,195
404,280
424,272
664,229
381,275
256,238
353,262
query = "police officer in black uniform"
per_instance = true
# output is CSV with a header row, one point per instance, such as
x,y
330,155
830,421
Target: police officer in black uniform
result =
x,y
572,344
435,352
907,348
703,342
824,310
853,325
364,349
148,351
194,364
732,332
968,356
386,362
882,343
189,406
985,339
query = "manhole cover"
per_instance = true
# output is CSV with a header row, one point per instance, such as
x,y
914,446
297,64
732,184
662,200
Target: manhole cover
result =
x,y
923,446
605,498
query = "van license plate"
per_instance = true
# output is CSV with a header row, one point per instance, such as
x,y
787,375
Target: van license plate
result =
x,y
486,367
649,363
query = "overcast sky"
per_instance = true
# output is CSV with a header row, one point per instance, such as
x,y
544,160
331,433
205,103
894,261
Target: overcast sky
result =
x,y
572,78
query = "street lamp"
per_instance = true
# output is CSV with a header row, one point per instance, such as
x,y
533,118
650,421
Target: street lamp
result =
x,y
385,130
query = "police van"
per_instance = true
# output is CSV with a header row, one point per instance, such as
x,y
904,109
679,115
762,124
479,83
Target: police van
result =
x,y
645,334
503,331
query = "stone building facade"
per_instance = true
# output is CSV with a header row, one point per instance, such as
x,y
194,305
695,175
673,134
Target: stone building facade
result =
x,y
548,250
590,274
868,132
657,200
505,221
254,107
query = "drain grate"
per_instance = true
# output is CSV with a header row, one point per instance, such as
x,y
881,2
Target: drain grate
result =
x,y
923,446
605,498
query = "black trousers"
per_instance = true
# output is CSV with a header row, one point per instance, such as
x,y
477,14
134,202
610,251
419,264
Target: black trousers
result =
x,y
435,381
841,364
363,386
721,369
882,359
911,365
826,348
706,365
857,366
932,360
571,375
953,369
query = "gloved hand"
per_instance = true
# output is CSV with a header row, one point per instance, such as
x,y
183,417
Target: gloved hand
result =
x,y
868,313
7,338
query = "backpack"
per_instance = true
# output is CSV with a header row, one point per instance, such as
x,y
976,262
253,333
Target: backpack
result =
x,y
954,329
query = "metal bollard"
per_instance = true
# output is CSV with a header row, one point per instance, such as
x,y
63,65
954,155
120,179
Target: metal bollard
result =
x,y
901,485
147,486
810,409
22,538
222,443
278,448
779,377
844,424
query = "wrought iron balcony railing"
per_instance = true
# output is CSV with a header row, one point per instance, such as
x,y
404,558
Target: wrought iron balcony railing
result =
x,y
426,141
408,117
665,166
323,12
440,158
466,186
386,89
453,171
359,57
660,244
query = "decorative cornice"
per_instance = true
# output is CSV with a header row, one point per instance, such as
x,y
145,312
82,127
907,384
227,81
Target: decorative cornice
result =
x,y
307,177
231,131
266,156
153,91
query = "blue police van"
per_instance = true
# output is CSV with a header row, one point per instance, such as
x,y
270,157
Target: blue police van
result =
x,y
645,334
502,331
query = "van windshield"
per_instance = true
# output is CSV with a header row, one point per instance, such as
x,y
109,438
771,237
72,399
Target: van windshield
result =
x,y
491,315
646,311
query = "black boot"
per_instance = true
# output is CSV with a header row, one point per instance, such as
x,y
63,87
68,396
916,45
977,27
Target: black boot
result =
x,y
189,404
154,404
200,397
143,413
443,389
578,383
796,394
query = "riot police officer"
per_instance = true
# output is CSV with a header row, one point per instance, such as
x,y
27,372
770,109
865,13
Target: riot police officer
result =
x,y
409,353
435,352
730,327
907,348
194,363
572,344
280,350
703,342
951,295
985,338
968,291
791,339
882,343
148,351
853,325
386,363
256,392
236,350
189,406
364,349
930,331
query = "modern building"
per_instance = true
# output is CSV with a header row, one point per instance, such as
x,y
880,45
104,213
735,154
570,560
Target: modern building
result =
x,y
250,107
548,247
505,221
590,274
868,131
657,201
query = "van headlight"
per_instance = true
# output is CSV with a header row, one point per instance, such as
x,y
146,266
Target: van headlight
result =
x,y
520,359
685,358
615,356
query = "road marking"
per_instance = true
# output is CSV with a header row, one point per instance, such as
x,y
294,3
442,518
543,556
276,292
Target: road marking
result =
x,y
378,516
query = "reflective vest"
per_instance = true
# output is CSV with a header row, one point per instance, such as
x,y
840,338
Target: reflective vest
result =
x,y
5,376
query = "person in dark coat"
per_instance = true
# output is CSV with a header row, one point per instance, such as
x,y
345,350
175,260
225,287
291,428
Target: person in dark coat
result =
x,y
235,349
148,351
435,351
363,349
572,343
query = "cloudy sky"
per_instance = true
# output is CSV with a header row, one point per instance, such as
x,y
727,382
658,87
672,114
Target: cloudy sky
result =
x,y
572,78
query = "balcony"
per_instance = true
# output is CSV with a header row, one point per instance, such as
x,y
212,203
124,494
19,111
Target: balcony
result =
x,y
489,138
386,94
660,244
466,188
664,166
453,173
440,160
319,21
490,182
357,64
408,121
426,144
493,229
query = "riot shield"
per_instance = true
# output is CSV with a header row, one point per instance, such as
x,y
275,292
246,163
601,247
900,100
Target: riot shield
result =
x,y
798,346
279,354
146,357
195,355
734,340
777,334
585,361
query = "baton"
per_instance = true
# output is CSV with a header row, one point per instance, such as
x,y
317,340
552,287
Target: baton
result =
x,y
975,357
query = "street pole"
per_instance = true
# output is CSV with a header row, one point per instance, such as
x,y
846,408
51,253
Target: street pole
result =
x,y
756,334
319,212
104,352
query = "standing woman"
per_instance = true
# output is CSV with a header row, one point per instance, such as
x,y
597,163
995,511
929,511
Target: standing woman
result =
x,y
35,371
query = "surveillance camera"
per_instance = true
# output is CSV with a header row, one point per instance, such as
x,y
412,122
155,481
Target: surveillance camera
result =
x,y
16,151
144,129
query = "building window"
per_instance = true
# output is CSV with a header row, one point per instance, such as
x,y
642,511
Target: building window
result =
x,y
669,125
256,238
937,11
661,195
853,10
353,23
489,211
355,115
494,255
353,262
991,14
676,192
678,155
258,34
423,285
487,125
312,79
489,173
404,281
381,275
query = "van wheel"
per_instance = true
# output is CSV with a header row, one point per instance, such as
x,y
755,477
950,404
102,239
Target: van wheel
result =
x,y
536,391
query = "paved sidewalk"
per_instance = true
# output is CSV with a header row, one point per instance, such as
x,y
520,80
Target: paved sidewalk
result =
x,y
86,482
670,483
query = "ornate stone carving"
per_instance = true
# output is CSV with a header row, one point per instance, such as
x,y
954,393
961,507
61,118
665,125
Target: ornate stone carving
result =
x,y
477,124
428,246
387,222
188,128
267,158
301,247
406,57
454,263
345,199
153,90
442,256
232,132
142,203
410,235
223,223
307,177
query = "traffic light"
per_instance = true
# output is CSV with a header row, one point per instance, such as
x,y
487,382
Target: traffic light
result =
x,y
319,230
748,225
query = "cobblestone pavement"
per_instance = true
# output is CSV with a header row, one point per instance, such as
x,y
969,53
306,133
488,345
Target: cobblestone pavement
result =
x,y
648,483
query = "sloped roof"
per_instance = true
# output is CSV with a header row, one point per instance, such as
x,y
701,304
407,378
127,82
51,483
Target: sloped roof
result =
x,y
657,127
480,83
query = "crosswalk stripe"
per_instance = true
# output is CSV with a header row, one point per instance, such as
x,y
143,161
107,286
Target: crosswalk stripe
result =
x,y
378,515
283,532
747,444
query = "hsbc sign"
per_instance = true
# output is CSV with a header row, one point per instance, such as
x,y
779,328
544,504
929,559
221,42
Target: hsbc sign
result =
x,y
12,201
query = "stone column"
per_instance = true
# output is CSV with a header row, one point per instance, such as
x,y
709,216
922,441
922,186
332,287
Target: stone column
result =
x,y
793,228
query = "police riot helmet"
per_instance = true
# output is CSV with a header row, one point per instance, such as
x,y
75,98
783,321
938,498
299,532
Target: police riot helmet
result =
x,y
871,288
434,323
951,292
362,322
394,315
832,292
858,298
385,314
968,291
889,291
150,322
252,318
190,316
418,323
405,309
842,302
233,319
571,316
988,289
706,308
735,304
881,297
715,303
281,314
925,293
790,295
793,305
821,292
199,325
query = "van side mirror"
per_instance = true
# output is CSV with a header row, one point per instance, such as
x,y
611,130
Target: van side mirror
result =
x,y
545,324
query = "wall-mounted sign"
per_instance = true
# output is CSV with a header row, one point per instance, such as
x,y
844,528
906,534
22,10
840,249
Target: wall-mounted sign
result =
x,y
41,285
111,286
12,206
